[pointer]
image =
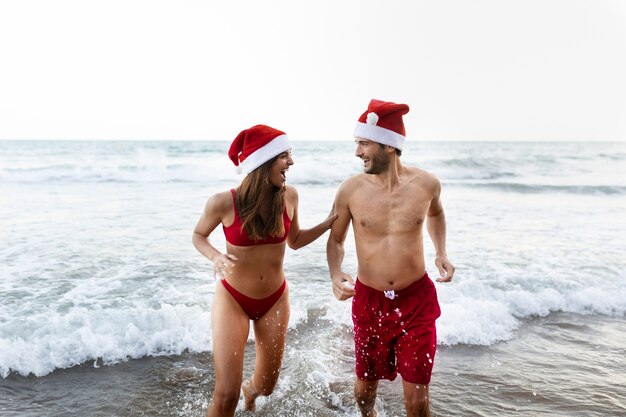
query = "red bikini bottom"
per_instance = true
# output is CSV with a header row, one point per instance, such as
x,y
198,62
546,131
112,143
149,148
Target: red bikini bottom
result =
x,y
255,308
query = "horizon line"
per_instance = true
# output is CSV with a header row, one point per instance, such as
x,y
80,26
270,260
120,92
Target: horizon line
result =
x,y
301,140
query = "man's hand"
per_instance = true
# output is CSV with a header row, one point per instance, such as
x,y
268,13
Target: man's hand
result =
x,y
340,289
446,269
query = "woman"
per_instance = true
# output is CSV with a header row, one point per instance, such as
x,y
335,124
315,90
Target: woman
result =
x,y
258,218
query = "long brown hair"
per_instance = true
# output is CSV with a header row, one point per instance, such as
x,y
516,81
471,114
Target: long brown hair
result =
x,y
254,193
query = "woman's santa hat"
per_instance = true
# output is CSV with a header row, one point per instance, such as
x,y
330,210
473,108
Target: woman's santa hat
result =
x,y
382,123
255,146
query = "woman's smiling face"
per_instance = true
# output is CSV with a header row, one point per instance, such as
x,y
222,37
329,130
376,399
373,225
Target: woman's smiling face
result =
x,y
278,172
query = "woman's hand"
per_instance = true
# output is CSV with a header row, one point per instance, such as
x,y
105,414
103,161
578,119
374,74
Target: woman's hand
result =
x,y
222,264
328,222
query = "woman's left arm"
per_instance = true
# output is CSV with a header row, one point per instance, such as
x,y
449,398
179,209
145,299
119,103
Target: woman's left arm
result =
x,y
297,237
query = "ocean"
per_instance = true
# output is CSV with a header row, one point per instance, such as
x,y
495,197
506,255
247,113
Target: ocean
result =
x,y
105,304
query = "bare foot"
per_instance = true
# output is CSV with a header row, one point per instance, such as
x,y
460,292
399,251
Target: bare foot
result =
x,y
249,395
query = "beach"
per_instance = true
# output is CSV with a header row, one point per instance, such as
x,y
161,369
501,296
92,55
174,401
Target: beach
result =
x,y
105,304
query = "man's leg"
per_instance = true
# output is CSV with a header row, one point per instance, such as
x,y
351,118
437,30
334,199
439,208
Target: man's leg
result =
x,y
365,394
416,399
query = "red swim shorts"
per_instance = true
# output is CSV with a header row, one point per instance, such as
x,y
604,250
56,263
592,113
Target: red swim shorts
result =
x,y
394,331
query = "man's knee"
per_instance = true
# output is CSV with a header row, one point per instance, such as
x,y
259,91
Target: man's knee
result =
x,y
417,402
364,399
365,393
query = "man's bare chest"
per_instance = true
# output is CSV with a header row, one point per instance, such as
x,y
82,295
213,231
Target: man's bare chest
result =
x,y
381,214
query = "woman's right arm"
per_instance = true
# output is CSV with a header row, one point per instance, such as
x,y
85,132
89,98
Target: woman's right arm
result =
x,y
215,209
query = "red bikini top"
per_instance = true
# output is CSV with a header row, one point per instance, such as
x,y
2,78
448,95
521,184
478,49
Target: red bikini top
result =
x,y
238,237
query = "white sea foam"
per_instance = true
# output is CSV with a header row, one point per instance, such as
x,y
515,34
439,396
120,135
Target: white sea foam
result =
x,y
42,342
479,320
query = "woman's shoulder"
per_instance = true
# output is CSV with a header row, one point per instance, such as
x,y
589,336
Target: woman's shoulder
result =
x,y
291,192
221,202
291,196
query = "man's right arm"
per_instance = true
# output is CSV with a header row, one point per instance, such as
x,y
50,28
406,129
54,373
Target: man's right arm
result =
x,y
334,246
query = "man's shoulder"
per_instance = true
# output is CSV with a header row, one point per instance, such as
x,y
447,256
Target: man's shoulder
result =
x,y
348,187
352,183
422,176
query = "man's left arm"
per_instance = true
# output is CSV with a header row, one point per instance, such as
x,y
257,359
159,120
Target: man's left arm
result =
x,y
436,225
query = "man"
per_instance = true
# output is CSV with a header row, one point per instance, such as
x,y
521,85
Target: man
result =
x,y
395,302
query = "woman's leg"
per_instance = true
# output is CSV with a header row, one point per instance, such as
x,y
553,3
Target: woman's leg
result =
x,y
269,335
230,327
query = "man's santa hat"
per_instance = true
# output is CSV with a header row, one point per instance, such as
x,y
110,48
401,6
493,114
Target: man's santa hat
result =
x,y
382,123
257,145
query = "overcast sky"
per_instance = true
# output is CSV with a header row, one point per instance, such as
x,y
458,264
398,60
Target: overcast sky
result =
x,y
469,69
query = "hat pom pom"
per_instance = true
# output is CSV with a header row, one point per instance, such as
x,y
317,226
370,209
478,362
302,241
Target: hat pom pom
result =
x,y
372,118
238,169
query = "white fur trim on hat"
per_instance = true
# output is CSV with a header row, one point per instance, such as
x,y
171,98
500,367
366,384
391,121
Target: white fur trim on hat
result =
x,y
274,148
379,134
